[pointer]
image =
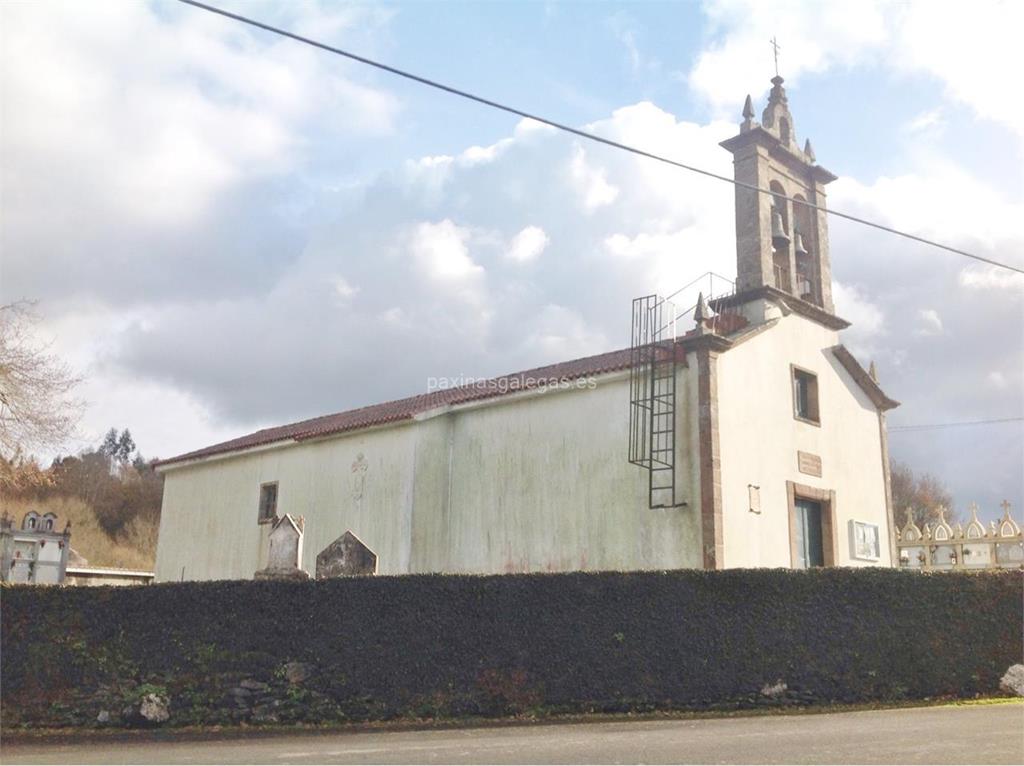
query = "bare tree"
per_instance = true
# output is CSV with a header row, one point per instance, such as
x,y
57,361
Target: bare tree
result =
x,y
37,408
923,494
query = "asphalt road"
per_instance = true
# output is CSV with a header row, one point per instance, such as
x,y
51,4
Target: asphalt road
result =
x,y
969,734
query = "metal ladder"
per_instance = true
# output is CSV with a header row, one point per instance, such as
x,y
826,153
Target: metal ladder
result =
x,y
652,386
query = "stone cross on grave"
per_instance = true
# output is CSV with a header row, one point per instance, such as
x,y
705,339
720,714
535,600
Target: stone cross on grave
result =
x,y
776,48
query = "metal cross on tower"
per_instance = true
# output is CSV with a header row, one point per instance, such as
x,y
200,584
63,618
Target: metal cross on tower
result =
x,y
776,48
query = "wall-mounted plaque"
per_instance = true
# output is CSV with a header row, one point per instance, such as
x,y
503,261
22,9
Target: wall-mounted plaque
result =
x,y
809,463
754,498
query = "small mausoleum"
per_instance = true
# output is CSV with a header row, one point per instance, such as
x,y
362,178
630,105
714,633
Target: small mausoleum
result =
x,y
36,552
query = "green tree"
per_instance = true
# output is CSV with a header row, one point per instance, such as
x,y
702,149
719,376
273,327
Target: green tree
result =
x,y
118,447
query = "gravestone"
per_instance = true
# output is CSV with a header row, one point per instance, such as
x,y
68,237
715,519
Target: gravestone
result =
x,y
285,555
345,556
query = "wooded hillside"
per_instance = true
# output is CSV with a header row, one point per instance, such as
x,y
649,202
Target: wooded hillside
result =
x,y
110,494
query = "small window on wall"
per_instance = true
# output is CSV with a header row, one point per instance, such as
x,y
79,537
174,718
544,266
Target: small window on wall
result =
x,y
268,502
805,396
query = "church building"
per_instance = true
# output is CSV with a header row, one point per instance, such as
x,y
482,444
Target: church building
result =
x,y
750,438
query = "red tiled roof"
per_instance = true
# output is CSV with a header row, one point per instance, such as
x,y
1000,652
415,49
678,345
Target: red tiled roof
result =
x,y
406,409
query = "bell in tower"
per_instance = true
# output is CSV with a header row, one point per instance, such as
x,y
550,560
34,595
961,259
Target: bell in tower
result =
x,y
781,242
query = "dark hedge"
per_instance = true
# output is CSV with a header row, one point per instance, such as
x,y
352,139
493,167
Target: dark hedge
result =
x,y
382,647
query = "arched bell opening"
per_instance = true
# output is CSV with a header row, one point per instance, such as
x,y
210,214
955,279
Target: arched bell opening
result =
x,y
781,239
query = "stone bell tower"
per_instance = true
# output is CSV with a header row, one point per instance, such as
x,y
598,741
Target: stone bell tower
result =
x,y
781,244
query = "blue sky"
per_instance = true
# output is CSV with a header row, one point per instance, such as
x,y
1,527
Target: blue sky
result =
x,y
225,230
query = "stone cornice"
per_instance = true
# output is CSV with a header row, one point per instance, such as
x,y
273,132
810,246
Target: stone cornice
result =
x,y
863,379
761,137
794,304
709,341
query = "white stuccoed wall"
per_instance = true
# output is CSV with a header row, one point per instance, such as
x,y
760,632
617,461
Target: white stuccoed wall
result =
x,y
760,438
541,483
525,482
208,523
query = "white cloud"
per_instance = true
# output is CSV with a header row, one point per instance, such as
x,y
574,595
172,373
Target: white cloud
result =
x,y
929,322
439,286
479,154
813,37
441,251
526,126
562,333
972,48
991,278
528,244
344,290
926,121
396,317
202,106
997,380
624,27
938,200
591,182
867,318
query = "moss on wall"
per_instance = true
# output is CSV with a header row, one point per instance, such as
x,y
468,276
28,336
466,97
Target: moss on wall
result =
x,y
426,646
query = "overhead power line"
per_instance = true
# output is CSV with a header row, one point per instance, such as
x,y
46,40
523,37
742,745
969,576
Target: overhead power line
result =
x,y
577,132
933,426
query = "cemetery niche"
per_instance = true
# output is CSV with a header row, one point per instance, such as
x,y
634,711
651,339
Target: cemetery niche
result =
x,y
284,557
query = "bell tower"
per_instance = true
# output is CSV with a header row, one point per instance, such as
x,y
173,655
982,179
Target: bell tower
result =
x,y
781,244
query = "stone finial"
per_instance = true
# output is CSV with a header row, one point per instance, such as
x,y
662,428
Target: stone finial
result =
x,y
872,371
748,108
701,312
776,117
809,150
748,115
